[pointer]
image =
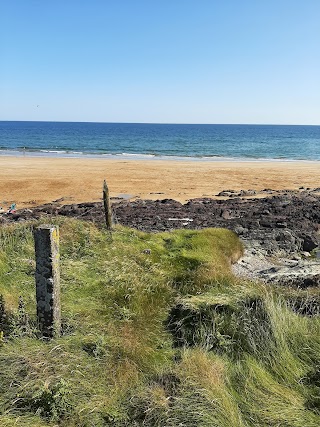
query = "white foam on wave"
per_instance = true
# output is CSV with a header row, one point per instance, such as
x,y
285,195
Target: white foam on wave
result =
x,y
53,151
142,156
137,155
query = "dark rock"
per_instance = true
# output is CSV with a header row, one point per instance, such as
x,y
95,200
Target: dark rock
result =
x,y
244,193
265,224
302,281
226,193
281,225
309,243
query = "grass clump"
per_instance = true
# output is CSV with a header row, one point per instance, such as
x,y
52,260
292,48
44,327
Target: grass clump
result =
x,y
228,324
156,332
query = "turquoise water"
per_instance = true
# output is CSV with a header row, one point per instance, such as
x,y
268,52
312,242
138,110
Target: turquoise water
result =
x,y
160,140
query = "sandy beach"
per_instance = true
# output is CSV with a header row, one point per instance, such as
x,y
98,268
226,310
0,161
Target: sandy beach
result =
x,y
30,181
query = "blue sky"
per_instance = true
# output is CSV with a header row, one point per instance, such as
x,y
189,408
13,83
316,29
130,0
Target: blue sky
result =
x,y
177,61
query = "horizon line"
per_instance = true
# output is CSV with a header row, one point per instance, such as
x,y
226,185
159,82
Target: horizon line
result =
x,y
161,123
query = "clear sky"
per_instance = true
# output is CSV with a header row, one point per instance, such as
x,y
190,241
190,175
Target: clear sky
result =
x,y
171,61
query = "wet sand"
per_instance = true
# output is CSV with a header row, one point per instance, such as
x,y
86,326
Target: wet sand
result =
x,y
30,181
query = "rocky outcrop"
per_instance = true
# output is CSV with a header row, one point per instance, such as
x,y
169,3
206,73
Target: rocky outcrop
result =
x,y
278,225
281,224
300,273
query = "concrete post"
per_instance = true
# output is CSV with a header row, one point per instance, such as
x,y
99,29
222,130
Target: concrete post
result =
x,y
46,238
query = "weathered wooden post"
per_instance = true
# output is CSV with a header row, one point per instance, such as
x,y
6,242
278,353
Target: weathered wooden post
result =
x,y
107,206
46,238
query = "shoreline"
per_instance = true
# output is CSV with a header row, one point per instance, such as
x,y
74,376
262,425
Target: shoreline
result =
x,y
141,157
30,181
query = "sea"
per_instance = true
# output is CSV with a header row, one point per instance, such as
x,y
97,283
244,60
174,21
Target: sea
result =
x,y
201,142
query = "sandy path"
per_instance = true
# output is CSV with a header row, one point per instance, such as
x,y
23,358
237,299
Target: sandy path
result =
x,y
29,181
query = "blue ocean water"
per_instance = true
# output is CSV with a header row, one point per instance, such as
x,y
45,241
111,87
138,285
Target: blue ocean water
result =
x,y
174,140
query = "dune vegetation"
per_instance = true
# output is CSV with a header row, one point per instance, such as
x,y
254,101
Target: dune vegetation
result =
x,y
156,331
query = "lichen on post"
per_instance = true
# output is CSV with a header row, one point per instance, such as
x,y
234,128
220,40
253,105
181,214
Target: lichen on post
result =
x,y
46,238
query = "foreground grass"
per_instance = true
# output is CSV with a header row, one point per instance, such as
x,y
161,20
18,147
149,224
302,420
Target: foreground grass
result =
x,y
157,332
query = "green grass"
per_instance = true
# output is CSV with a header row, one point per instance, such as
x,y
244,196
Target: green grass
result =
x,y
163,338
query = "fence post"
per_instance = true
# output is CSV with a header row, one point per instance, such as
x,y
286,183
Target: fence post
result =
x,y
107,206
46,238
